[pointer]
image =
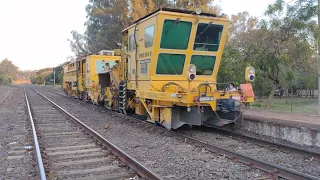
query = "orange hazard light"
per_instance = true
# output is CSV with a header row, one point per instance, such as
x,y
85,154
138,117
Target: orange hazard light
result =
x,y
247,90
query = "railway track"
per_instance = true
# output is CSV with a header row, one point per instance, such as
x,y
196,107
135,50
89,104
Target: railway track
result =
x,y
15,150
272,169
264,143
67,148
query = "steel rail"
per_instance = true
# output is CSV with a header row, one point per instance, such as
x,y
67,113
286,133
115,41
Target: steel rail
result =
x,y
279,146
131,162
272,169
36,143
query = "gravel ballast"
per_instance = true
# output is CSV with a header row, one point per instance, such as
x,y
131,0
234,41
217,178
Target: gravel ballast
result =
x,y
17,161
167,156
302,163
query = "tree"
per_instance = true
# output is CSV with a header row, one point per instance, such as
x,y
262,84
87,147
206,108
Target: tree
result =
x,y
290,34
106,20
234,58
7,68
78,44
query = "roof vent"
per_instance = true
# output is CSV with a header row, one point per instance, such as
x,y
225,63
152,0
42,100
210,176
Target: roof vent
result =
x,y
106,53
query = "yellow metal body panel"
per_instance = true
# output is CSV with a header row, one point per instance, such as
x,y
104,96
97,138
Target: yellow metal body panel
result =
x,y
150,84
95,64
70,78
164,91
81,64
133,83
134,64
70,72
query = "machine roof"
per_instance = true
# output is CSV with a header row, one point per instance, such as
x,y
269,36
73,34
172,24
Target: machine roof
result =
x,y
174,10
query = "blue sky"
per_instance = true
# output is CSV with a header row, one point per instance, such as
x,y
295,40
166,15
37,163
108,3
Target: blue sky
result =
x,y
34,33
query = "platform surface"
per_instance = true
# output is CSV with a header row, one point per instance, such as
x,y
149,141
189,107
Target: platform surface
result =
x,y
290,118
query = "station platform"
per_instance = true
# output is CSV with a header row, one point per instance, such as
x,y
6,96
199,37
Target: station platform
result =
x,y
286,118
300,129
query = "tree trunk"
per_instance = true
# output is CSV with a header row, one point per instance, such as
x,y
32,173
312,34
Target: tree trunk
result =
x,y
260,98
299,92
286,96
312,95
273,90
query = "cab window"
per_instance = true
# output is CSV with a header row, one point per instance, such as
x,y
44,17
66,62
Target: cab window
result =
x,y
170,64
148,36
208,37
132,43
204,64
175,34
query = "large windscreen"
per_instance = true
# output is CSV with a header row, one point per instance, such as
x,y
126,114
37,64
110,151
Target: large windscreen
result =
x,y
208,37
175,34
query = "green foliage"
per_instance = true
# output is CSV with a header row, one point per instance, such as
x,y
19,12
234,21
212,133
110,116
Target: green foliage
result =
x,y
35,80
8,69
4,80
9,72
106,20
281,48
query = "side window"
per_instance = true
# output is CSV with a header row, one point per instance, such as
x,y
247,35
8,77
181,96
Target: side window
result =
x,y
148,36
88,67
132,44
144,66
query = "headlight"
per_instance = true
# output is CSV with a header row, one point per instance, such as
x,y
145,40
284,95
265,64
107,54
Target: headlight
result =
x,y
198,11
251,70
192,68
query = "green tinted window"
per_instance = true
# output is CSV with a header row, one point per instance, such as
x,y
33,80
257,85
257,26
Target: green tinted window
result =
x,y
208,37
175,34
204,64
170,64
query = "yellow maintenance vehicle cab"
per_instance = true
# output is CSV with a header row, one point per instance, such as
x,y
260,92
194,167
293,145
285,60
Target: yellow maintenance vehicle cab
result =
x,y
69,84
81,77
168,71
94,75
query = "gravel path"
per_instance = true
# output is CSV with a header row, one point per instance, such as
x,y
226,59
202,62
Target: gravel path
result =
x,y
169,157
5,91
16,161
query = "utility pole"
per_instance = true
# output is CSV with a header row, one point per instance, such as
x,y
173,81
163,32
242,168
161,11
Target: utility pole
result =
x,y
54,76
318,59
